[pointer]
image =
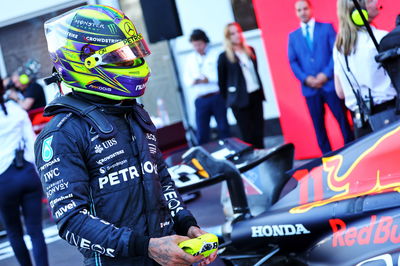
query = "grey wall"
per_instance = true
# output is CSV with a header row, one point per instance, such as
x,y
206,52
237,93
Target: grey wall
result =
x,y
26,40
162,83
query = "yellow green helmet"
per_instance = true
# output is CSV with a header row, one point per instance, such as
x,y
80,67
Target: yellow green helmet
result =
x,y
96,49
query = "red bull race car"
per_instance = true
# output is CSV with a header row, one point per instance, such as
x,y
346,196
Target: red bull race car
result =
x,y
341,209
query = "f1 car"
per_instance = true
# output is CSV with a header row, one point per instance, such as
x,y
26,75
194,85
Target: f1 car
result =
x,y
341,209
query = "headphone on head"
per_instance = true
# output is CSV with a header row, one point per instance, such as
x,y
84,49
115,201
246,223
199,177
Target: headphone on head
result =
x,y
28,71
24,79
356,16
24,75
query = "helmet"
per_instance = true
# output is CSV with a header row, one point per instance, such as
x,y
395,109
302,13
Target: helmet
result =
x,y
96,50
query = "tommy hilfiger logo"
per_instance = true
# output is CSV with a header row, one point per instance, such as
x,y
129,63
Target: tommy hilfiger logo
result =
x,y
152,148
151,136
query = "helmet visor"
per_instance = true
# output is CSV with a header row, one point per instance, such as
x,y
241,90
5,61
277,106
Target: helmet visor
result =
x,y
124,51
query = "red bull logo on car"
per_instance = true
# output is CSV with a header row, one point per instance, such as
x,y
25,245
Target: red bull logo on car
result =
x,y
375,170
380,230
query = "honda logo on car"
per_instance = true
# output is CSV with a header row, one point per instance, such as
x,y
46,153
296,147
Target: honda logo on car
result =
x,y
379,231
278,230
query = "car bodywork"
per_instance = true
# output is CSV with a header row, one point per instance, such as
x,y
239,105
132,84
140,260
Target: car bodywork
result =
x,y
340,209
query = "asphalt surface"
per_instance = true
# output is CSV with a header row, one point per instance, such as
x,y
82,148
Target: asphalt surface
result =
x,y
207,210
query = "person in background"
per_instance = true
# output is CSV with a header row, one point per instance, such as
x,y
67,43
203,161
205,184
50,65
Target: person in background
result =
x,y
310,56
109,189
20,187
200,74
240,85
32,92
355,67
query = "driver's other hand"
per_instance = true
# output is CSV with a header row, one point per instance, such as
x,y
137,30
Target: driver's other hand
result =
x,y
165,251
194,232
208,259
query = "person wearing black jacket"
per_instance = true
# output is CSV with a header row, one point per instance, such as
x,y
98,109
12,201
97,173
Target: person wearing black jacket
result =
x,y
241,86
33,93
109,189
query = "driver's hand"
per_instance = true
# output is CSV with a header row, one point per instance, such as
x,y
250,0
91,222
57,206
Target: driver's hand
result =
x,y
194,232
165,251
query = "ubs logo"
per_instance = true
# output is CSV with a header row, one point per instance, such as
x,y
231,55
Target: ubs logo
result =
x,y
98,149
105,145
109,143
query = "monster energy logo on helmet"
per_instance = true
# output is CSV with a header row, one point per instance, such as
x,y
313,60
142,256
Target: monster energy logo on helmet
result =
x,y
89,24
112,28
94,25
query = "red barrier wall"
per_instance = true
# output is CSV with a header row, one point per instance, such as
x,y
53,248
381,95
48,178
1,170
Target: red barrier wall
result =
x,y
277,19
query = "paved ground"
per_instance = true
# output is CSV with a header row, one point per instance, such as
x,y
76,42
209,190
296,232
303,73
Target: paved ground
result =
x,y
207,209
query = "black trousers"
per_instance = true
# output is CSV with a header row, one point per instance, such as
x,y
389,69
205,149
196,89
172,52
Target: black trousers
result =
x,y
250,121
20,189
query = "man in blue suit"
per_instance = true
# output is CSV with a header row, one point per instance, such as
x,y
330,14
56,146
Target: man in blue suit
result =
x,y
310,56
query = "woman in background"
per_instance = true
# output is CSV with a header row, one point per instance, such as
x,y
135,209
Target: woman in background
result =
x,y
240,85
355,66
20,185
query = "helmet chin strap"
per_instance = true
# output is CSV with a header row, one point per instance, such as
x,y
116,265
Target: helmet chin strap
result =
x,y
56,78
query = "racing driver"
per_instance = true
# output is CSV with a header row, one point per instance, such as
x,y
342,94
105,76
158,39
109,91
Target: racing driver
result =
x,y
109,190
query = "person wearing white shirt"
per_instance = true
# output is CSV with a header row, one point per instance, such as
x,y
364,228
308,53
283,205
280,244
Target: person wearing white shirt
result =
x,y
20,186
200,74
355,67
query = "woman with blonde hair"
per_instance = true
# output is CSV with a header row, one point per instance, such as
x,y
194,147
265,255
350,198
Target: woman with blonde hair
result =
x,y
240,84
359,80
